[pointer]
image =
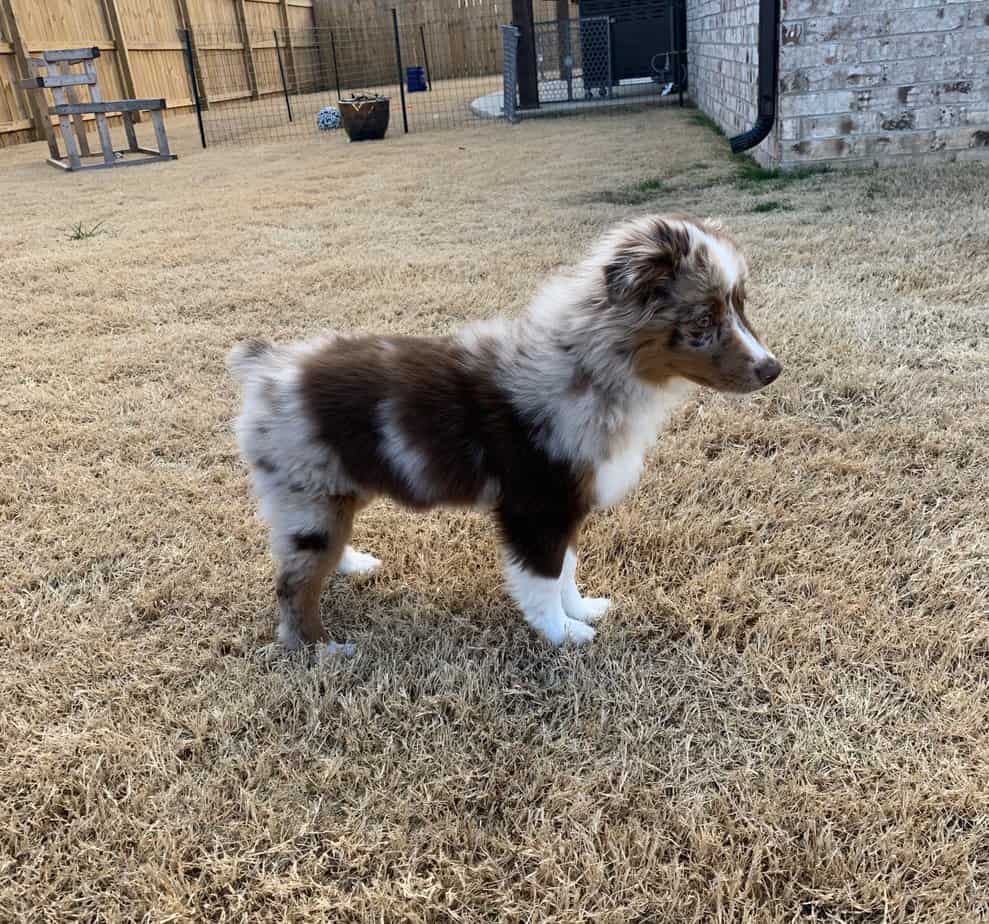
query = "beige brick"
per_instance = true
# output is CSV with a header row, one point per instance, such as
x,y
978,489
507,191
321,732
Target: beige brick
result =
x,y
878,82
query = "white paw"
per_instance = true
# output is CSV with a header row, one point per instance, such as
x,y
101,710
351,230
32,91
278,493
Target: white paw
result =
x,y
564,631
354,562
577,633
588,609
345,649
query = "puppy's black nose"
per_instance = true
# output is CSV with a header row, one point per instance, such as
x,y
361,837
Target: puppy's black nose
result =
x,y
768,370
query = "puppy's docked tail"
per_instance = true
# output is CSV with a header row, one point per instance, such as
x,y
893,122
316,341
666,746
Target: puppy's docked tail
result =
x,y
249,357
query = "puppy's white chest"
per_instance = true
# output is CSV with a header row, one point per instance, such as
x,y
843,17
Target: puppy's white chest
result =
x,y
617,476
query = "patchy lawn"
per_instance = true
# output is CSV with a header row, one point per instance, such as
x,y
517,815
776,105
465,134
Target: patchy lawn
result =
x,y
783,717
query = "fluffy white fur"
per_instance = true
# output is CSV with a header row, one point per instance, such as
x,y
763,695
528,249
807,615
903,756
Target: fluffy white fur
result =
x,y
541,602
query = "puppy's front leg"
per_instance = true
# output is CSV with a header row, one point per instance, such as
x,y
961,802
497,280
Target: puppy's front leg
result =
x,y
354,562
534,573
586,609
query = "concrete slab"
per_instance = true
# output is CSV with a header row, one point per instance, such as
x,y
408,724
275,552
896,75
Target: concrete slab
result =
x,y
554,97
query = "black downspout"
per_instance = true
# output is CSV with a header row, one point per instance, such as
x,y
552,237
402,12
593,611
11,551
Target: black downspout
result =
x,y
769,69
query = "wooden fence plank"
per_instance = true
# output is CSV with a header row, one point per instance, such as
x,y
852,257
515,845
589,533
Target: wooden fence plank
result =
x,y
156,46
293,74
187,23
18,126
245,38
126,70
42,127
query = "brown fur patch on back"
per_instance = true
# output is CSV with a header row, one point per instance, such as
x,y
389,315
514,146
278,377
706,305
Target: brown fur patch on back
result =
x,y
426,422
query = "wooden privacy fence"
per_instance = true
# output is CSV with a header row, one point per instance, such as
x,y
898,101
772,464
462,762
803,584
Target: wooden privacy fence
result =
x,y
142,54
464,32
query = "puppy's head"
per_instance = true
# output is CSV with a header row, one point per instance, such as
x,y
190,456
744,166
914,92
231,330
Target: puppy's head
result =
x,y
683,284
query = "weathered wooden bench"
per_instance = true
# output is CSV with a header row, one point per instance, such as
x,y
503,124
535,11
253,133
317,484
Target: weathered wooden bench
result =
x,y
63,82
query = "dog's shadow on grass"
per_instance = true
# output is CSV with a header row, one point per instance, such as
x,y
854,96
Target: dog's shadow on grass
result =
x,y
370,607
467,654
457,643
375,612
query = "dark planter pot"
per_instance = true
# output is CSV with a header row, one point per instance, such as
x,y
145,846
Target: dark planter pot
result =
x,y
365,118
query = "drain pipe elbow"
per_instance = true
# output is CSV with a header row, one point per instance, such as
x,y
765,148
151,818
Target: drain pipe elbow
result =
x,y
769,65
763,126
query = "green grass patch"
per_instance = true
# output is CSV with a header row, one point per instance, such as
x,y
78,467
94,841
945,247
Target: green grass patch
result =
x,y
644,191
79,232
752,174
652,185
705,121
770,205
874,188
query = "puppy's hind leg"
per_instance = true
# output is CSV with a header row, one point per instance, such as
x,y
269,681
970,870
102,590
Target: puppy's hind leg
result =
x,y
308,543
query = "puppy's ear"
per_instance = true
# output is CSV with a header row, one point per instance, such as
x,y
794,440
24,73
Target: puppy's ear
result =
x,y
644,256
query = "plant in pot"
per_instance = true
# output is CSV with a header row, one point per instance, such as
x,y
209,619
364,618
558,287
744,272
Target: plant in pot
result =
x,y
365,118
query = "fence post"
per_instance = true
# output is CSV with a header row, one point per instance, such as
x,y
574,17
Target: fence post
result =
x,y
245,40
336,73
293,74
681,12
281,70
563,42
398,63
527,78
566,57
197,64
425,58
35,101
193,82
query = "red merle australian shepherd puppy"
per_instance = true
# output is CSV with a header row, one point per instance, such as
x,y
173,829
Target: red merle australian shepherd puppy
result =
x,y
540,419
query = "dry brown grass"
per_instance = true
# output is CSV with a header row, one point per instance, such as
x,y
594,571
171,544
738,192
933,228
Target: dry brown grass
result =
x,y
784,717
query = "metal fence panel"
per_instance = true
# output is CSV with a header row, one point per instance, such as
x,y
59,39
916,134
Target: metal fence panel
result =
x,y
576,64
271,85
510,52
277,90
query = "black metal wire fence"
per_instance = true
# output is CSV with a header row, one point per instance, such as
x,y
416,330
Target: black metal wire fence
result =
x,y
257,87
434,76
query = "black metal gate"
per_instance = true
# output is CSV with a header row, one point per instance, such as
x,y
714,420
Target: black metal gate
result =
x,y
648,38
628,52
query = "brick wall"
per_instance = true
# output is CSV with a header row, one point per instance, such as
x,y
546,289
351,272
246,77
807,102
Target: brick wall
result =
x,y
722,55
884,80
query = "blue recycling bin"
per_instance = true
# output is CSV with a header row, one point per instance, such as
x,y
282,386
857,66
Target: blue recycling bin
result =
x,y
415,78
